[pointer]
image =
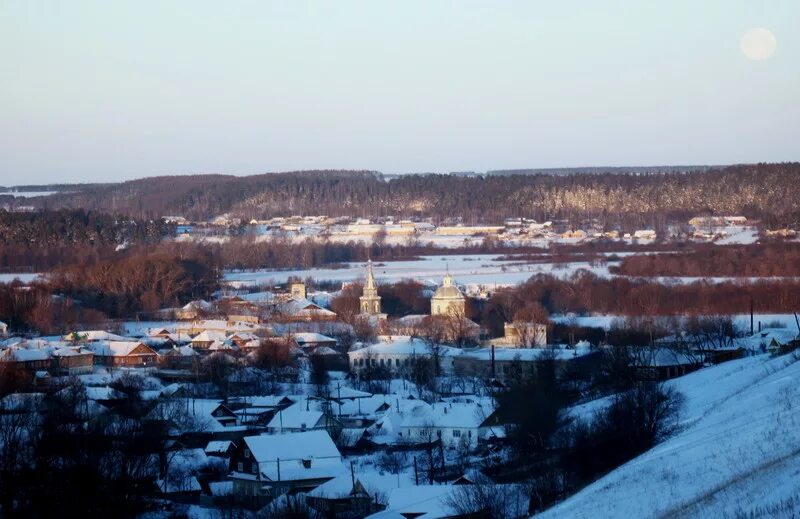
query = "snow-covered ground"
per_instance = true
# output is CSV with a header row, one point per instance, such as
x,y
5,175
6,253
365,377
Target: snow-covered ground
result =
x,y
25,277
480,269
738,234
737,455
741,320
28,194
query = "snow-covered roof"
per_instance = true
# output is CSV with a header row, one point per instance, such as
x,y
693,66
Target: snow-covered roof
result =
x,y
311,337
528,354
218,447
423,501
767,337
292,449
304,307
267,401
117,348
209,336
401,345
296,417
339,487
448,415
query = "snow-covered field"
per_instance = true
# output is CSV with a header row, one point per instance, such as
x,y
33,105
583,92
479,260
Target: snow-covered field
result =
x,y
737,455
738,234
741,320
481,269
28,194
25,278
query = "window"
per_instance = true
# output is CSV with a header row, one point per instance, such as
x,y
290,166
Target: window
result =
x,y
246,453
240,466
307,464
254,468
456,433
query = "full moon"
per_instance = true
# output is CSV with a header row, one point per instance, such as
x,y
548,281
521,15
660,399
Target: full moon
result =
x,y
758,44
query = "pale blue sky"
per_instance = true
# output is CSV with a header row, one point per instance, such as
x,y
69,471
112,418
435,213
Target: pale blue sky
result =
x,y
110,90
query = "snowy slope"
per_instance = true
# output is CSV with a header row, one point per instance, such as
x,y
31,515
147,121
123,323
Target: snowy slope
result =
x,y
737,454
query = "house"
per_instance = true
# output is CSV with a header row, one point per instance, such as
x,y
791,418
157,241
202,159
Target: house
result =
x,y
216,325
220,448
193,309
303,416
258,410
644,234
662,363
522,335
204,340
344,494
178,357
123,354
397,353
304,310
267,466
454,424
25,359
423,501
313,340
506,363
195,414
771,340
446,501
72,361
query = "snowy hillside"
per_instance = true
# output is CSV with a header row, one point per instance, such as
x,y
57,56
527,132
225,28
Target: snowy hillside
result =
x,y
737,455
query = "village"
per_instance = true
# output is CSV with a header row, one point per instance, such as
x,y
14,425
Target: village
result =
x,y
271,400
454,232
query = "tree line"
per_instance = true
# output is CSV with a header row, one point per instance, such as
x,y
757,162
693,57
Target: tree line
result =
x,y
761,260
769,191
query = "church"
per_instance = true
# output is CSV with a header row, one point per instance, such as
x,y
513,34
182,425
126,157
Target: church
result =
x,y
448,299
370,301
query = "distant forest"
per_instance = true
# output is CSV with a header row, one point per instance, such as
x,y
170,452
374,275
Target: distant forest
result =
x,y
770,192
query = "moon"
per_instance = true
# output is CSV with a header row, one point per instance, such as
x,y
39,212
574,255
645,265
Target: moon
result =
x,y
758,44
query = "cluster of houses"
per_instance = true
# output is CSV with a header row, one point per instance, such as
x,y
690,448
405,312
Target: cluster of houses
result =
x,y
452,230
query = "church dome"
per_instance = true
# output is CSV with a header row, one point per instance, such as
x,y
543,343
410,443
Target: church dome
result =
x,y
448,290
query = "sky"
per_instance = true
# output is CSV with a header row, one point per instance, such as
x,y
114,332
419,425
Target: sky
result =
x,y
94,91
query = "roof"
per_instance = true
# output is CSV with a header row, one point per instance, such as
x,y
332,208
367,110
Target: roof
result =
x,y
209,336
218,447
291,449
117,348
401,345
428,500
448,415
292,446
307,337
296,417
528,354
448,290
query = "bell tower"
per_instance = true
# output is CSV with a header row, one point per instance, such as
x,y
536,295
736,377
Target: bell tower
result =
x,y
370,301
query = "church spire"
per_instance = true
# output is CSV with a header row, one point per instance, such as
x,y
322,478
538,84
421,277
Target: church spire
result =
x,y
370,285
